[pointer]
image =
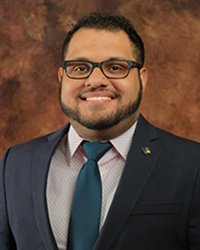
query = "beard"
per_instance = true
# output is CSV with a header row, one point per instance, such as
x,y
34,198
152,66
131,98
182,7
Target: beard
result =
x,y
107,121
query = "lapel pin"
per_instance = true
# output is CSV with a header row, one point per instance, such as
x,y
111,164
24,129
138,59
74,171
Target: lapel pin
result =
x,y
146,150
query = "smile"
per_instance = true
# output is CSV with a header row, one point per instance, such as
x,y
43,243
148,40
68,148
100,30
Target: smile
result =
x,y
98,98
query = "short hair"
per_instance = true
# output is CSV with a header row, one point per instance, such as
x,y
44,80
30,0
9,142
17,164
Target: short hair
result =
x,y
101,21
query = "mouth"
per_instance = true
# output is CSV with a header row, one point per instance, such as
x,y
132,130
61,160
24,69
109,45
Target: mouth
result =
x,y
97,96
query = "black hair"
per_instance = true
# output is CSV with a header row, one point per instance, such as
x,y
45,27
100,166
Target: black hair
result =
x,y
108,22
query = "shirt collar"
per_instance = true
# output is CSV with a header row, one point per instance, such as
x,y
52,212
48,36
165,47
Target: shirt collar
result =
x,y
121,143
74,140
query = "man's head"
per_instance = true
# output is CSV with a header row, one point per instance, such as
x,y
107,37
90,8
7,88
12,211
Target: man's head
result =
x,y
102,77
111,23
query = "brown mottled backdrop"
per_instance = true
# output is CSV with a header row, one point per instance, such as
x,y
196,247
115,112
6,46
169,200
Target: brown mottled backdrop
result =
x,y
31,35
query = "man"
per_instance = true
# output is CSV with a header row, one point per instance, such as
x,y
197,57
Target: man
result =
x,y
149,190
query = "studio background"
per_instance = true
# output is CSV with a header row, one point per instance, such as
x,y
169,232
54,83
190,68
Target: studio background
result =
x,y
31,36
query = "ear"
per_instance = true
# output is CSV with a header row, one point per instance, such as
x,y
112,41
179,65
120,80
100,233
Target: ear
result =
x,y
60,74
144,77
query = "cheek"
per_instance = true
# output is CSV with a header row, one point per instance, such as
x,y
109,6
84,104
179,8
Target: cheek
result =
x,y
68,91
133,87
129,90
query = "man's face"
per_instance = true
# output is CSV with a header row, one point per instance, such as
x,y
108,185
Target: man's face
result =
x,y
98,102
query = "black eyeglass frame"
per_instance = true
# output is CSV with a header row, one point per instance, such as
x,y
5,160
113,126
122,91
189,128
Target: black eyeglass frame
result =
x,y
131,64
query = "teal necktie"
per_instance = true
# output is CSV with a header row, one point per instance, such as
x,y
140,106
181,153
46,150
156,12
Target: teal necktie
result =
x,y
86,204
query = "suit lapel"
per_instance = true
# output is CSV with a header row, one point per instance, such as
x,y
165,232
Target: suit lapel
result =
x,y
40,165
137,171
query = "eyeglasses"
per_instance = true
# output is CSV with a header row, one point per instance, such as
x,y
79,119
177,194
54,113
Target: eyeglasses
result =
x,y
112,69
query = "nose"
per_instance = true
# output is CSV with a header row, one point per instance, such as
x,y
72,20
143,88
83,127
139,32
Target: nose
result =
x,y
96,79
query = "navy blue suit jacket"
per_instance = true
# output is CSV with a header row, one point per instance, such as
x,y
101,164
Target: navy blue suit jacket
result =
x,y
156,205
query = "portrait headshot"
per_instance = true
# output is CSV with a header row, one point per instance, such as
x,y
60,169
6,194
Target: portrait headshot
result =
x,y
100,126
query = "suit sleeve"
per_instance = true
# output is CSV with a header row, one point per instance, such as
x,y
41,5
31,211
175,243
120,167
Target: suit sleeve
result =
x,y
194,218
6,238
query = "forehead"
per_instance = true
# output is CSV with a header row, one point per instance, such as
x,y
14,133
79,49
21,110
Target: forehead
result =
x,y
99,44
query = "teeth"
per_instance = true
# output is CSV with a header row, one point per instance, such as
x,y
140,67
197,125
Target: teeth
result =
x,y
98,98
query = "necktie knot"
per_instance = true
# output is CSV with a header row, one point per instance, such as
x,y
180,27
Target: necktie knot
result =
x,y
95,150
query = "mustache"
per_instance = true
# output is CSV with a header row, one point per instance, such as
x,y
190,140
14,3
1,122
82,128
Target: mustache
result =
x,y
100,89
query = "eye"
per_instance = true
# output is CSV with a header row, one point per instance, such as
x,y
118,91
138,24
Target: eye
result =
x,y
82,68
115,67
78,68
